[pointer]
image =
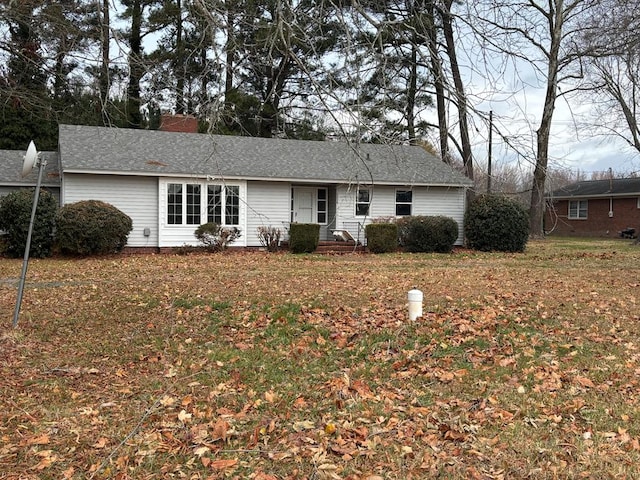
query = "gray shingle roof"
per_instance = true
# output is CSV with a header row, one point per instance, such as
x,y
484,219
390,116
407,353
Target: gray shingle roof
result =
x,y
148,152
596,188
11,169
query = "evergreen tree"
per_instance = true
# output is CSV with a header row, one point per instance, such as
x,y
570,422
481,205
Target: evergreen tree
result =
x,y
25,104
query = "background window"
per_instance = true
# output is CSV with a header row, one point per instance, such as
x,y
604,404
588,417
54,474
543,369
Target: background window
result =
x,y
322,205
174,204
403,202
363,201
578,209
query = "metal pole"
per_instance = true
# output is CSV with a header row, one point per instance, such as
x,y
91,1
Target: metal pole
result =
x,y
25,261
489,173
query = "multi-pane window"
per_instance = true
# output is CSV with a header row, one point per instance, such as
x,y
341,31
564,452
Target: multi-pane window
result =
x,y
214,204
193,204
363,201
232,205
322,205
578,209
404,199
174,204
186,204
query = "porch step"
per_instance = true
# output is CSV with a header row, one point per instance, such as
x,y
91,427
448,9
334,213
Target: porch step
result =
x,y
339,247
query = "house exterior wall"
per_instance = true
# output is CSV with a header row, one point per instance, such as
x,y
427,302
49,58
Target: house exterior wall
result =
x,y
144,199
269,205
449,202
135,196
598,222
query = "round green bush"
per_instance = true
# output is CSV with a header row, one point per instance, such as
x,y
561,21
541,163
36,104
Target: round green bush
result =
x,y
92,227
15,216
496,223
427,233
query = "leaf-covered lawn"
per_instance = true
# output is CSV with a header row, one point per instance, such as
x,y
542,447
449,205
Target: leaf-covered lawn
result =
x,y
274,366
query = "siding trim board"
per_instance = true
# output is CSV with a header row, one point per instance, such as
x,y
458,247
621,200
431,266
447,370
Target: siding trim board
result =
x,y
260,179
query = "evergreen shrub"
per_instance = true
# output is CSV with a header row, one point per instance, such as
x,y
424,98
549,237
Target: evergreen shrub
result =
x,y
304,237
91,227
496,223
382,237
15,216
427,233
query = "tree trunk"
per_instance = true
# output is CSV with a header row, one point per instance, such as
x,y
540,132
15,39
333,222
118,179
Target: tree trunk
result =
x,y
438,83
461,99
105,37
136,70
411,95
537,207
180,61
230,50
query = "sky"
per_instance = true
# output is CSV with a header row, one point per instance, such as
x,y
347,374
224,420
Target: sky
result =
x,y
572,146
514,90
516,98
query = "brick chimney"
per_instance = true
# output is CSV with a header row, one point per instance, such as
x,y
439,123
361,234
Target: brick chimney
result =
x,y
178,123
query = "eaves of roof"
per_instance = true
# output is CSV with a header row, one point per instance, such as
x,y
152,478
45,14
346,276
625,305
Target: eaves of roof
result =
x,y
602,195
257,179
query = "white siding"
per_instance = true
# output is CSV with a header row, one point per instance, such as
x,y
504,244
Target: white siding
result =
x,y
179,235
135,196
268,204
449,202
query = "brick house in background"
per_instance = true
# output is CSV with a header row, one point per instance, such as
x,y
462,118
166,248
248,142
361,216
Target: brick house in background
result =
x,y
596,208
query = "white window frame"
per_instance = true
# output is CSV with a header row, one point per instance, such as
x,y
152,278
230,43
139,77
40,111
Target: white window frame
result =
x,y
638,202
203,209
410,203
580,210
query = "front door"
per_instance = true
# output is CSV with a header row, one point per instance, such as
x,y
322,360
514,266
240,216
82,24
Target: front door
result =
x,y
303,205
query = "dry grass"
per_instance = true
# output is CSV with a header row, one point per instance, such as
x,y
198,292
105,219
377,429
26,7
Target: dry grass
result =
x,y
274,366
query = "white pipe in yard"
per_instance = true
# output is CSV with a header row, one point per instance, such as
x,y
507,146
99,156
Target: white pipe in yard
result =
x,y
415,304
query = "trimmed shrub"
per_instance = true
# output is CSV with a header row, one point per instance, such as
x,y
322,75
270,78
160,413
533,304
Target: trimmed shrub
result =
x,y
15,216
216,237
427,234
304,237
92,227
382,237
269,237
496,223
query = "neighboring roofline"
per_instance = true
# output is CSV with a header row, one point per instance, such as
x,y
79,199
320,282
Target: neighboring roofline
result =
x,y
29,184
601,195
260,179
